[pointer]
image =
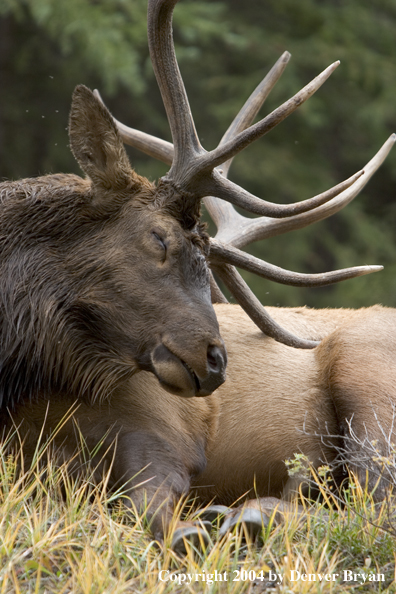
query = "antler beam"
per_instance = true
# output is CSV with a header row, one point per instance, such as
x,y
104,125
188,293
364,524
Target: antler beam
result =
x,y
174,96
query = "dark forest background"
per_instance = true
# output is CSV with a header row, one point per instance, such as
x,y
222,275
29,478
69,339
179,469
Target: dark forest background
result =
x,y
224,49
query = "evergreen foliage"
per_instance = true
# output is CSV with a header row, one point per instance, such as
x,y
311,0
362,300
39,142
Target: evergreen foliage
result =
x,y
225,48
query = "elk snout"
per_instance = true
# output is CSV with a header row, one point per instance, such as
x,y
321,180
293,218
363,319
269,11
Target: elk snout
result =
x,y
178,377
216,363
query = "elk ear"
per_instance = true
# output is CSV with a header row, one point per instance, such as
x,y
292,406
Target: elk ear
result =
x,y
97,146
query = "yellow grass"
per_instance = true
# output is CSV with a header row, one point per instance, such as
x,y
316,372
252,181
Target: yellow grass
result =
x,y
60,536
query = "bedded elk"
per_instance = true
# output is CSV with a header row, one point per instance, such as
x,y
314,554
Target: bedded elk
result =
x,y
106,307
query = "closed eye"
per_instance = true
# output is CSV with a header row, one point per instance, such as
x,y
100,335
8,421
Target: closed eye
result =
x,y
161,241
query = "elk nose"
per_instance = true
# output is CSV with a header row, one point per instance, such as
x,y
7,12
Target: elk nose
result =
x,y
216,365
217,359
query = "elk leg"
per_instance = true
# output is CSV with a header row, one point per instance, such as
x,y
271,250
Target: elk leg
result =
x,y
358,371
152,473
155,478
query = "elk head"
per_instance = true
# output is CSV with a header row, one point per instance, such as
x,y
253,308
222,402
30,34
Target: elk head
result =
x,y
103,277
156,255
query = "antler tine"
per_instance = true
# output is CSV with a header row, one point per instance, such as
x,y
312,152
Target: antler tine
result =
x,y
221,256
216,185
185,139
252,306
200,179
262,228
245,230
235,145
223,213
221,253
254,103
164,151
233,227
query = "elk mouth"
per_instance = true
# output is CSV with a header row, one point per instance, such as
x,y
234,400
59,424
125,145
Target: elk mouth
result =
x,y
177,377
193,375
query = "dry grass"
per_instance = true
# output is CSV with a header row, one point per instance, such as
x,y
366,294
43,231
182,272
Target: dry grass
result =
x,y
60,536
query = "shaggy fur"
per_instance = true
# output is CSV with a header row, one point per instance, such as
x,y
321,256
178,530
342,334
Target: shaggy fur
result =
x,y
64,265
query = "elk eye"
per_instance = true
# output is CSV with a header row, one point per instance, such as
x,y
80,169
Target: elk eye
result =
x,y
161,241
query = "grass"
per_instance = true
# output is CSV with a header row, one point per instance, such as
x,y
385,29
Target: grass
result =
x,y
60,536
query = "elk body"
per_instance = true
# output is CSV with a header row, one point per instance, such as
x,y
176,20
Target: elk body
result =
x,y
276,401
107,311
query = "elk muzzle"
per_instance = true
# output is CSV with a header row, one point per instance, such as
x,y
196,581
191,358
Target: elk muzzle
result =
x,y
179,377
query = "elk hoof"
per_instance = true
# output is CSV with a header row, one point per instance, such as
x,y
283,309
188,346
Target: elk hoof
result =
x,y
213,513
253,520
196,537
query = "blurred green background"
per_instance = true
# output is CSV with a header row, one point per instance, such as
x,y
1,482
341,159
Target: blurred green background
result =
x,y
224,49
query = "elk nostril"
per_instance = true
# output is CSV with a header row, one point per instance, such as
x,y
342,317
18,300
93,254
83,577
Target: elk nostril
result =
x,y
215,358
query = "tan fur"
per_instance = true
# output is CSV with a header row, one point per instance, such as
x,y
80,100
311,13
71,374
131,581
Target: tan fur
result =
x,y
276,401
270,393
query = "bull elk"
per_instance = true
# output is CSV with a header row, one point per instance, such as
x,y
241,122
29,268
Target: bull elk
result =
x,y
107,307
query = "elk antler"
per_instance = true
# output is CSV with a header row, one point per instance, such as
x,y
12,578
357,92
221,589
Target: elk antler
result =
x,y
193,171
237,230
201,174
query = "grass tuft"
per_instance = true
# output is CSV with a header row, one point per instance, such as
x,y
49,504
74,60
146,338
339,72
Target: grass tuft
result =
x,y
59,535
